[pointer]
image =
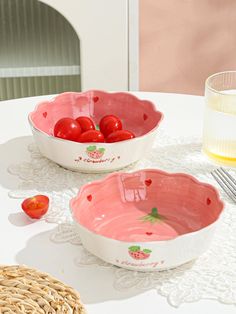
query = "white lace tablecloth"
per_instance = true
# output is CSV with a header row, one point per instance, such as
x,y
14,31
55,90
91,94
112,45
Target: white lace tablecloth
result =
x,y
211,276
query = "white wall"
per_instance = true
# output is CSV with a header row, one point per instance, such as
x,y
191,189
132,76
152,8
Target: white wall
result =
x,y
102,27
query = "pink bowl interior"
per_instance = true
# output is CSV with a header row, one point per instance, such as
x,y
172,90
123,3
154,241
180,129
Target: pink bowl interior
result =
x,y
147,205
138,116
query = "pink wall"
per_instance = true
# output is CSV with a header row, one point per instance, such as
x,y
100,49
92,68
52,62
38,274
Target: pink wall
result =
x,y
184,41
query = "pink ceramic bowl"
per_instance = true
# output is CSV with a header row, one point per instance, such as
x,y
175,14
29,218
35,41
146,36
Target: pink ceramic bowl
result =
x,y
138,116
147,220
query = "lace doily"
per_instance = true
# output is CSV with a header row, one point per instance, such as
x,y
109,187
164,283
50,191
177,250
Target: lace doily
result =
x,y
211,276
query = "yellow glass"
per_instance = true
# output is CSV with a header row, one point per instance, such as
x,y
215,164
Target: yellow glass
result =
x,y
219,128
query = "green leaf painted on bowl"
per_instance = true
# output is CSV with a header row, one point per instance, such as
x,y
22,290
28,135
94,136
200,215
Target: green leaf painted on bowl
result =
x,y
91,148
101,150
134,248
153,217
147,251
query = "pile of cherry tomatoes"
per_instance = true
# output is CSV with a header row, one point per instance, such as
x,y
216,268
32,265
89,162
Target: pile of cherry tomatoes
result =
x,y
83,130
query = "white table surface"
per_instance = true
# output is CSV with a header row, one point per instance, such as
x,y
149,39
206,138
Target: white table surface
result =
x,y
24,242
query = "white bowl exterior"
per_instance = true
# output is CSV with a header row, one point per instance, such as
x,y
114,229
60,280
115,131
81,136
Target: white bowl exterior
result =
x,y
74,156
165,254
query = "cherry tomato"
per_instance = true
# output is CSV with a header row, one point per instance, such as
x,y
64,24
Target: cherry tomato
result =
x,y
36,206
68,129
85,123
119,136
110,124
91,136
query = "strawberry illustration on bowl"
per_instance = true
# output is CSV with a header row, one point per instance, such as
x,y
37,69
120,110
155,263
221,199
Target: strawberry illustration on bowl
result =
x,y
136,253
94,152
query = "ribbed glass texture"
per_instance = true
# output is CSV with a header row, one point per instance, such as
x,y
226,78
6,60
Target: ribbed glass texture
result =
x,y
219,130
39,51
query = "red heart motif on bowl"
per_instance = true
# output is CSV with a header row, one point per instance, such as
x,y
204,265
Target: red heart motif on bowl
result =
x,y
45,114
149,233
208,201
145,116
89,197
148,182
95,98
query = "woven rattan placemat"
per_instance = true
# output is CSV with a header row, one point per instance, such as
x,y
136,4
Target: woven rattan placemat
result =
x,y
26,290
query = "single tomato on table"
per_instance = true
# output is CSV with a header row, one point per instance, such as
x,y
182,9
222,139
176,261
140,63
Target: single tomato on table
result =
x,y
110,124
91,136
118,136
85,123
67,129
35,207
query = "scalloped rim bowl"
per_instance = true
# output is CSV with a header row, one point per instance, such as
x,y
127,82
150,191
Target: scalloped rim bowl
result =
x,y
147,220
138,116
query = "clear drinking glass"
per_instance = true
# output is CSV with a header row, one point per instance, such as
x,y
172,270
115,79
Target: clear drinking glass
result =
x,y
219,130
